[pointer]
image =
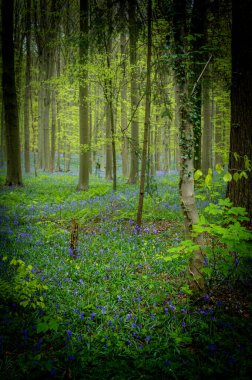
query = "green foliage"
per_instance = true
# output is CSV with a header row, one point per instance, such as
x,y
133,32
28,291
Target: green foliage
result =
x,y
24,287
227,243
116,311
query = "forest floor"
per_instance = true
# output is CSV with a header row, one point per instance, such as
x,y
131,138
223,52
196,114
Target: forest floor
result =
x,y
122,308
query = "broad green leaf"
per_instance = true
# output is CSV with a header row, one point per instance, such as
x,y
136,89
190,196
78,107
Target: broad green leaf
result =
x,y
42,327
53,325
219,168
227,177
208,179
197,174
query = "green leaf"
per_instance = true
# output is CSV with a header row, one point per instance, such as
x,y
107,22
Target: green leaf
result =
x,y
24,303
247,163
197,174
236,156
236,176
53,325
42,327
219,168
227,177
244,175
208,179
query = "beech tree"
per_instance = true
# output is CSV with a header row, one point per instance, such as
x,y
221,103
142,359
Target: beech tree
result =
x,y
134,145
83,94
14,174
146,118
184,76
240,158
27,86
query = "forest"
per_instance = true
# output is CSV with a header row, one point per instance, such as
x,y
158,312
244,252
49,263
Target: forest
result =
x,y
125,189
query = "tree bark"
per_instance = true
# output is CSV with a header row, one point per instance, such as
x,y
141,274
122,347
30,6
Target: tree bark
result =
x,y
27,88
241,111
133,34
108,173
186,138
146,120
14,174
207,128
124,109
83,94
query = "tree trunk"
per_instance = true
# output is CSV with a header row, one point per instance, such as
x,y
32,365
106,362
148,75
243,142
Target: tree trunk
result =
x,y
241,111
197,128
146,120
186,138
157,144
58,114
53,133
167,133
14,174
108,173
3,145
124,109
133,33
207,128
83,94
219,143
46,112
27,88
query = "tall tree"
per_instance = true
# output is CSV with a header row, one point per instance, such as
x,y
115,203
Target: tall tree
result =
x,y
83,95
14,174
27,87
207,126
124,107
133,36
240,157
146,119
184,75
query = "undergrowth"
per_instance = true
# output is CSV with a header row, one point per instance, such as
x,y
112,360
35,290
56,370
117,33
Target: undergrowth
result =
x,y
117,311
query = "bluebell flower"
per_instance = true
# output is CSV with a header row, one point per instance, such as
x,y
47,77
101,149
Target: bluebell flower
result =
x,y
52,371
92,316
148,338
212,347
71,357
167,362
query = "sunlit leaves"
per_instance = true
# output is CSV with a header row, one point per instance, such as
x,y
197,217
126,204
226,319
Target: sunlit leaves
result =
x,y
227,177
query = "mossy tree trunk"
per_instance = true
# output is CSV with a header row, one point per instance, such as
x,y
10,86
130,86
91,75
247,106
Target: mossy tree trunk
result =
x,y
184,85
